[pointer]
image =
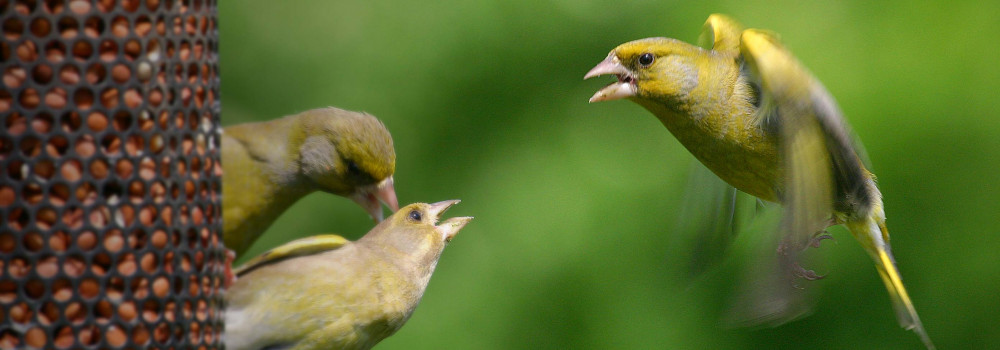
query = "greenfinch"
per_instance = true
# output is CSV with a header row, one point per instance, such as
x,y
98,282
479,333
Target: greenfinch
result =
x,y
746,108
268,166
325,292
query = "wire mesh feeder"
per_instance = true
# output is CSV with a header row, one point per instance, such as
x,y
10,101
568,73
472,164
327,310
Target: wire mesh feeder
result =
x,y
110,210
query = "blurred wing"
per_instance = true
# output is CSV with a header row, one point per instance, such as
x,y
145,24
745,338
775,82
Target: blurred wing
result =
x,y
822,172
862,153
722,34
299,247
711,214
800,106
802,103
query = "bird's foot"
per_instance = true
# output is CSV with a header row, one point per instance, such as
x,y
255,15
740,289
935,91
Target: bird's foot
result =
x,y
819,237
813,242
783,248
805,274
789,256
229,277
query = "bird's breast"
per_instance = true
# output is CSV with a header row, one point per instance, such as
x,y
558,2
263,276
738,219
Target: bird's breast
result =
x,y
733,147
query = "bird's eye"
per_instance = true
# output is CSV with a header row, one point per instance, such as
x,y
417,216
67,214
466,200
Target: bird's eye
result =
x,y
352,167
646,59
415,216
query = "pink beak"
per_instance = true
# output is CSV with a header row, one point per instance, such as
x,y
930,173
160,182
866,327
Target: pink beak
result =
x,y
623,88
372,197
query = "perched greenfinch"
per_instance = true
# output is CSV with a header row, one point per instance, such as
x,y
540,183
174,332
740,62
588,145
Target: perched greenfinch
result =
x,y
325,292
752,114
268,166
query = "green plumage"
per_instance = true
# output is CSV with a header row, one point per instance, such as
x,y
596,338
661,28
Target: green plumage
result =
x,y
268,166
751,113
325,292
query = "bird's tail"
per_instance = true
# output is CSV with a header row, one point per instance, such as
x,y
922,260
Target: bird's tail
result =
x,y
875,237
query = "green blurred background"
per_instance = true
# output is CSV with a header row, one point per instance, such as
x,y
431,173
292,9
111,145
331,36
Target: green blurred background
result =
x,y
573,243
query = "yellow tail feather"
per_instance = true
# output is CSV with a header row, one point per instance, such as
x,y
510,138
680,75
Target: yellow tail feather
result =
x,y
905,311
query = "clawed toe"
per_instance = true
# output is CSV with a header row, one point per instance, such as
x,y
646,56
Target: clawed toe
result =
x,y
819,237
806,274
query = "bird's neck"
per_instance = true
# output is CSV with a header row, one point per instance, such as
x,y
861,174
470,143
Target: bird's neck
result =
x,y
699,121
276,152
415,252
274,157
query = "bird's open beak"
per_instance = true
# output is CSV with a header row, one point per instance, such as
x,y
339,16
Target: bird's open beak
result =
x,y
371,198
624,87
449,228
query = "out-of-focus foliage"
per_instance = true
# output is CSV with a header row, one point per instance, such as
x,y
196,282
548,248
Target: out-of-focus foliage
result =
x,y
574,243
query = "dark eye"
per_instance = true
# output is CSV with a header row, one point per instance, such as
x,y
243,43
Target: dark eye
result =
x,y
646,59
352,168
415,216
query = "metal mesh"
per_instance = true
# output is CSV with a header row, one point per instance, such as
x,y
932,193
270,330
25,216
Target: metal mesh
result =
x,y
110,210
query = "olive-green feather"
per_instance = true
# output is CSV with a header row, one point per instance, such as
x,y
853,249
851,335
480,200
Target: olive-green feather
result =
x,y
748,110
298,247
270,165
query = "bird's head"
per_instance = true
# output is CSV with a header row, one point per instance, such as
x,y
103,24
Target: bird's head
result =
x,y
414,231
349,154
652,69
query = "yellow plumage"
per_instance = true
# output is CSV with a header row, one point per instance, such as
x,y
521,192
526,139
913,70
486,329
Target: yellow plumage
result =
x,y
753,115
268,166
325,292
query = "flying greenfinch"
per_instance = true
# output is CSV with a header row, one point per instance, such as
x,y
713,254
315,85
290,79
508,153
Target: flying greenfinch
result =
x,y
325,292
746,108
268,166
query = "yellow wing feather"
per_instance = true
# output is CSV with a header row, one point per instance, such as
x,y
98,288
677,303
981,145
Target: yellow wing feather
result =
x,y
721,33
299,247
823,172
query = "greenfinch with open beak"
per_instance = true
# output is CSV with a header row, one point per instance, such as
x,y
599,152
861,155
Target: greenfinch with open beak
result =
x,y
325,292
752,114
